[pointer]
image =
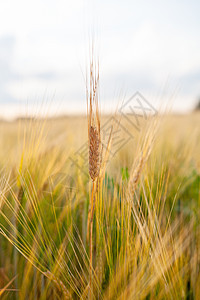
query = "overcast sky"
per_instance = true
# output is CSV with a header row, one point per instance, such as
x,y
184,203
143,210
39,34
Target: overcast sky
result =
x,y
145,46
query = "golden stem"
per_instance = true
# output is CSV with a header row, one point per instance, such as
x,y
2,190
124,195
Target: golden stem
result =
x,y
90,242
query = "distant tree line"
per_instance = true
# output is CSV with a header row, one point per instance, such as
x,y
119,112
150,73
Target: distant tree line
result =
x,y
197,107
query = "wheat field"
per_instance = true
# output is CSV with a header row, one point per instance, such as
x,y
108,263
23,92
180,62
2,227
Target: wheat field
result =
x,y
145,226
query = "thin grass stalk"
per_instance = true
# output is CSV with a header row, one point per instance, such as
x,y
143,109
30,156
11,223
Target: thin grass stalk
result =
x,y
91,242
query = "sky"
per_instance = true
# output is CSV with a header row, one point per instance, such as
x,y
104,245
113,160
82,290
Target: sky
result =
x,y
147,46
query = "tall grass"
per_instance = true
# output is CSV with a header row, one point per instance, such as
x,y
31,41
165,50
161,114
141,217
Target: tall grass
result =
x,y
145,220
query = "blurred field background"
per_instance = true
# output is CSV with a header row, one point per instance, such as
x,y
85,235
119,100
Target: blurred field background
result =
x,y
145,248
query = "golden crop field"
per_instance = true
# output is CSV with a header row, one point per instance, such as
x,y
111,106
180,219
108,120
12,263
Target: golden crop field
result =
x,y
146,210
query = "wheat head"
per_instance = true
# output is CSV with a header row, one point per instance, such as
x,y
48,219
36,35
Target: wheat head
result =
x,y
94,153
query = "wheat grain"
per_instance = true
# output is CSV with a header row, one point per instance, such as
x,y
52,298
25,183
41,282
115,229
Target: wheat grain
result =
x,y
94,153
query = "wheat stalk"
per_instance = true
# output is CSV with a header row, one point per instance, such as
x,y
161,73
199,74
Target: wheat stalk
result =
x,y
95,154
142,158
97,161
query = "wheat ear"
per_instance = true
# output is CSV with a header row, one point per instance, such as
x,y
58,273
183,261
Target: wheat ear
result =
x,y
94,153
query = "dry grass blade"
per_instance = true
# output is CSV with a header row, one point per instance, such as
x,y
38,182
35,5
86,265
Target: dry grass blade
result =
x,y
59,284
7,285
